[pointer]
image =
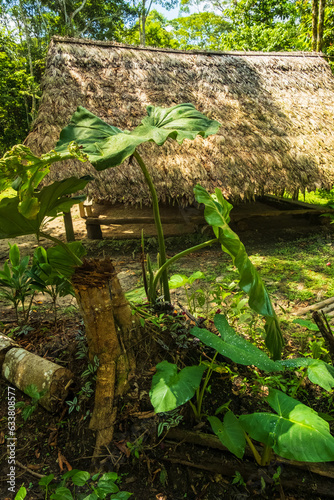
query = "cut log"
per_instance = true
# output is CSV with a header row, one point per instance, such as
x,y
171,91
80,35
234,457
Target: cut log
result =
x,y
22,368
5,344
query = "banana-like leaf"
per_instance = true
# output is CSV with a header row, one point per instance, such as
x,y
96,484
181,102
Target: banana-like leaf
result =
x,y
233,346
63,260
318,371
52,200
296,432
171,388
23,171
216,214
230,433
108,146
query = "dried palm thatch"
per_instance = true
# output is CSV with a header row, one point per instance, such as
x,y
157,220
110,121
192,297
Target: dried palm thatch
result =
x,y
276,112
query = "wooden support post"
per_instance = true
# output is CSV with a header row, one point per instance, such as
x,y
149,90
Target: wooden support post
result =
x,y
69,226
93,231
82,210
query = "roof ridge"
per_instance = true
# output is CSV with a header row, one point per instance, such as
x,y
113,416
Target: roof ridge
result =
x,y
86,41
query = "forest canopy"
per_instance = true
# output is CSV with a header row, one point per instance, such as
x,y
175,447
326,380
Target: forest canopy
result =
x,y
26,27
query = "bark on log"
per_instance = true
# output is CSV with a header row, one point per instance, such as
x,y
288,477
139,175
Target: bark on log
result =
x,y
211,441
22,368
251,471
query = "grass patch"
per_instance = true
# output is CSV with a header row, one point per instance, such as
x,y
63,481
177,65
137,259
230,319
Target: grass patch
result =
x,y
317,197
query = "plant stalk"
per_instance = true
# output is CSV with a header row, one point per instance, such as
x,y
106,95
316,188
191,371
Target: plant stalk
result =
x,y
179,256
254,450
78,261
204,386
158,224
266,455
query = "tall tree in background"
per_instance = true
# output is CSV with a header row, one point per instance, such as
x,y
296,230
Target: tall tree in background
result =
x,y
26,27
203,30
16,86
321,21
157,32
143,8
96,19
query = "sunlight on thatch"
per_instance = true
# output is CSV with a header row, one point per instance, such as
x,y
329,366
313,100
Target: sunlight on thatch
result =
x,y
276,112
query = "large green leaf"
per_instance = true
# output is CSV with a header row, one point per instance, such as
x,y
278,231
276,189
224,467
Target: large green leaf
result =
x,y
216,214
62,259
230,433
318,371
52,200
24,171
233,346
108,146
296,432
171,388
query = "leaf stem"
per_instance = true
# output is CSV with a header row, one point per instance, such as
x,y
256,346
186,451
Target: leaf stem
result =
x,y
204,386
158,224
254,450
179,256
76,259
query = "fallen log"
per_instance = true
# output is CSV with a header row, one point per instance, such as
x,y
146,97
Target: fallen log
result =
x,y
314,307
251,472
210,441
23,368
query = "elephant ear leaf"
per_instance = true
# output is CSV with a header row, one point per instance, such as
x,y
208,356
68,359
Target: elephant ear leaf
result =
x,y
172,388
296,432
216,213
108,146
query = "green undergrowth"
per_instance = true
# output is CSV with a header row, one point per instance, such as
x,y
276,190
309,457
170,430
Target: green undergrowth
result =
x,y
133,246
317,197
296,274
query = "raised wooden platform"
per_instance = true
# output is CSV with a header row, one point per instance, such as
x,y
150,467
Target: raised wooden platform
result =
x,y
123,222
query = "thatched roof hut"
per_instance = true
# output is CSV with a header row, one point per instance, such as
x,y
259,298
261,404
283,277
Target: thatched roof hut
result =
x,y
276,111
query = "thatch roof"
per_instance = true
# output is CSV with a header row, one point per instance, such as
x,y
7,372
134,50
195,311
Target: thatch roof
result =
x,y
276,111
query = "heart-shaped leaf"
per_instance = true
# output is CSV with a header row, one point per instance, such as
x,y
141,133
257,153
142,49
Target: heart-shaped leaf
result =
x,y
296,432
108,146
171,388
318,371
230,433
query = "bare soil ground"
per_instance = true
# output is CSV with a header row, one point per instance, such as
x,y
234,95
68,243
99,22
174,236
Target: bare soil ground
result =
x,y
157,468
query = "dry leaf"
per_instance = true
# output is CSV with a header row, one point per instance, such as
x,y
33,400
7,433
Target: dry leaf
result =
x,y
121,445
62,460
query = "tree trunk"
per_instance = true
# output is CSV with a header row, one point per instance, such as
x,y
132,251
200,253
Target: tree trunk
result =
x,y
143,29
315,10
110,332
322,5
31,70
